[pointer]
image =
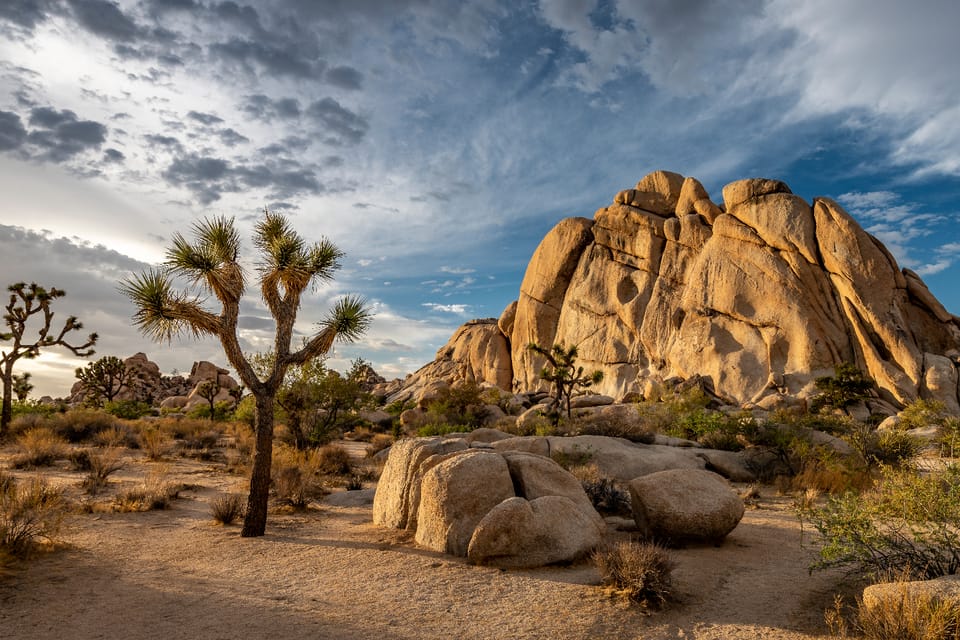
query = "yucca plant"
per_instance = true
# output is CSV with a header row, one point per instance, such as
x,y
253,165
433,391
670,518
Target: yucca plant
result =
x,y
209,263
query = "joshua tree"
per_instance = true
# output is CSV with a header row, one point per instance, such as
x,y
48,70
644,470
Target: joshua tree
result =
x,y
208,390
25,302
288,265
22,386
562,371
104,379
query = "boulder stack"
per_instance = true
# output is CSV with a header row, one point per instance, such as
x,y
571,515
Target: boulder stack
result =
x,y
758,297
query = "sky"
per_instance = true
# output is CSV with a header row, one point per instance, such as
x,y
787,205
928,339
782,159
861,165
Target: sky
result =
x,y
437,141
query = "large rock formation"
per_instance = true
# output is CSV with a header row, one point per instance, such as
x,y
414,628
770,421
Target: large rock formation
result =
x,y
758,296
477,352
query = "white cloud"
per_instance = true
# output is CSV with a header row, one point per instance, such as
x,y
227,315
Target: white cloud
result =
x,y
458,309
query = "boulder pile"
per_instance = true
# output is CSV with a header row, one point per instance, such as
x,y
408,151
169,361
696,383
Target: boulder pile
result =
x,y
502,501
757,296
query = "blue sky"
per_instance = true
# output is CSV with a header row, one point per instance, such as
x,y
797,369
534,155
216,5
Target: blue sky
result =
x,y
437,141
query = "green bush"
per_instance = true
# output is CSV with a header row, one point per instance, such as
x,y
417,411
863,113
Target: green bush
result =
x,y
907,522
847,386
923,413
127,409
461,406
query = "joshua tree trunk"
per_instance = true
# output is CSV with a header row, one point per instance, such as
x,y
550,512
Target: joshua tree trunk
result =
x,y
255,522
7,415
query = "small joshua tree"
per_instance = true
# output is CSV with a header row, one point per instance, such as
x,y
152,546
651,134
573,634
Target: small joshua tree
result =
x,y
561,370
27,301
208,390
288,266
22,386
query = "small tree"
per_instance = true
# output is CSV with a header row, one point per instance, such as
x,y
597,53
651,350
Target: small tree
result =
x,y
847,386
104,379
27,301
22,386
208,390
561,370
288,266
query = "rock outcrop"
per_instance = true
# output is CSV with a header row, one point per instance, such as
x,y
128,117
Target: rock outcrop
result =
x,y
499,506
758,297
477,352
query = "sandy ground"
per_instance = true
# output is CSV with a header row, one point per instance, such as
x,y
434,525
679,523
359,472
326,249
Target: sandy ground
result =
x,y
330,573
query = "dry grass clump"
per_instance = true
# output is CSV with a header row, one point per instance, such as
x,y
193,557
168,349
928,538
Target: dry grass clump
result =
x,y
911,617
39,447
334,460
30,515
154,442
155,492
641,571
606,496
378,443
227,508
101,466
296,477
120,434
614,425
81,425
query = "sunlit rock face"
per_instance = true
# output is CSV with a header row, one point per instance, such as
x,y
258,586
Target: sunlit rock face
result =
x,y
758,296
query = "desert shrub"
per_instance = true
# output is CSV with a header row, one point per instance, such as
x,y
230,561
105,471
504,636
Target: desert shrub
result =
x,y
154,492
910,617
39,447
641,571
461,406
334,460
440,429
221,411
353,483
127,409
30,514
79,425
606,496
923,413
614,425
120,434
378,443
948,437
101,466
154,442
906,522
577,457
296,477
80,460
34,408
890,447
847,385
242,439
825,470
227,508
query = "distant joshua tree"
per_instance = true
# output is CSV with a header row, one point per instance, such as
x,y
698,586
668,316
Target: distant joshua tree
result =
x,y
105,378
288,265
22,386
566,376
27,301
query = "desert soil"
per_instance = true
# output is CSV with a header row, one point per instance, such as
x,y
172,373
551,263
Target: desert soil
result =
x,y
330,573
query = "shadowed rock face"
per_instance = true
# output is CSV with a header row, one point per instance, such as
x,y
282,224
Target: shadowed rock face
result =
x,y
758,296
